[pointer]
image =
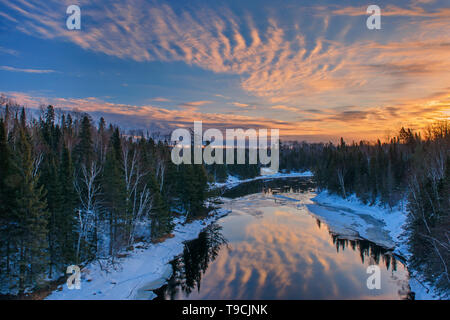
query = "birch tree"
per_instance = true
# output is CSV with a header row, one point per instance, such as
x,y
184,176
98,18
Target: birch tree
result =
x,y
88,189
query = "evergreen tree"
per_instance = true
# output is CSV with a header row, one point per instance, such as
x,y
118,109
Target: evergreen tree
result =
x,y
29,215
66,219
114,191
6,203
84,151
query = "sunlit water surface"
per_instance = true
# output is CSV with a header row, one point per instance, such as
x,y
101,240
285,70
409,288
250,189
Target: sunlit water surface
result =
x,y
271,247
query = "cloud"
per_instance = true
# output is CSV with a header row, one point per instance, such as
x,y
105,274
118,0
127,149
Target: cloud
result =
x,y
402,69
9,51
285,108
391,10
13,69
221,96
275,64
194,104
384,79
313,111
160,99
351,116
239,105
4,15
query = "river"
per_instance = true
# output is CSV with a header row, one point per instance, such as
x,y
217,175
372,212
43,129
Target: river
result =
x,y
270,246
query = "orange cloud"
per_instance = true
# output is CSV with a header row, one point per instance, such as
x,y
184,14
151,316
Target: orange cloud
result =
x,y
239,105
285,108
160,99
392,10
194,104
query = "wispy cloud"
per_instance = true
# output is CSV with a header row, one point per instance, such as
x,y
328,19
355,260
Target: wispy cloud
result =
x,y
194,103
273,63
392,10
285,108
221,96
239,105
160,99
7,17
14,69
9,51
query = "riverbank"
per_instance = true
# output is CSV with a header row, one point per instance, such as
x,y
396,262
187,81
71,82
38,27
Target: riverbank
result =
x,y
381,225
234,181
140,270
146,267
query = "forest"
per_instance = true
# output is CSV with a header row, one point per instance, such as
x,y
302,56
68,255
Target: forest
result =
x,y
73,190
411,167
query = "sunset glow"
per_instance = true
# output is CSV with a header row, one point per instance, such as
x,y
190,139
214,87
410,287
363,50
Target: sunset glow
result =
x,y
309,68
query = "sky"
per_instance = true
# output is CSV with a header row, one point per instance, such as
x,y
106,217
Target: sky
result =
x,y
311,68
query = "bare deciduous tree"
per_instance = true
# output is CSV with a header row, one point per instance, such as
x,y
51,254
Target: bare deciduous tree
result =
x,y
88,189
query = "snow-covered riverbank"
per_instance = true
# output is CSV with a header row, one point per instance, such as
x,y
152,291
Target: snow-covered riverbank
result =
x,y
381,225
147,266
234,181
375,223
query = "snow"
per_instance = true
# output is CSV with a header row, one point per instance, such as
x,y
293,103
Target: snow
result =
x,y
422,292
233,181
377,223
267,171
137,274
148,268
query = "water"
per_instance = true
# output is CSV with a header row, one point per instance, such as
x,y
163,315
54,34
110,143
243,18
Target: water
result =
x,y
271,247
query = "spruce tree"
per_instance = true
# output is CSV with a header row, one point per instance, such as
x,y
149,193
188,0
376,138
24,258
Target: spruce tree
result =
x,y
114,188
67,211
84,151
29,214
6,197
